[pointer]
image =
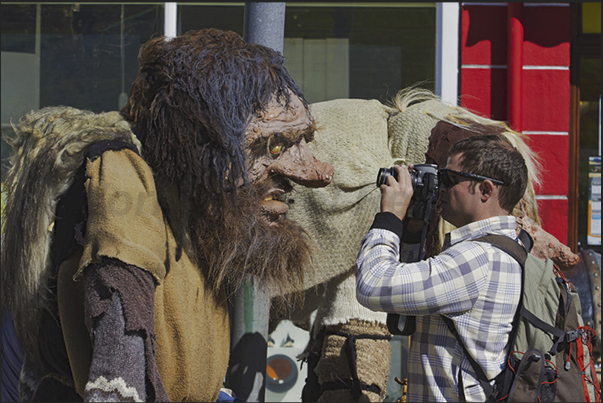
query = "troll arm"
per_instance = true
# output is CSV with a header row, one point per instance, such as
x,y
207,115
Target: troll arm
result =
x,y
546,245
120,318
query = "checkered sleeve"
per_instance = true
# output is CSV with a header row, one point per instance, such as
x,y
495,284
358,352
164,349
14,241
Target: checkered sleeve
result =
x,y
448,283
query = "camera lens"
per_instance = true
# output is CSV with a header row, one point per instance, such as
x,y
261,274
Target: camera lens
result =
x,y
424,181
384,173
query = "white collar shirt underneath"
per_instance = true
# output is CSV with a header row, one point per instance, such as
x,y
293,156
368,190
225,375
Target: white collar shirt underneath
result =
x,y
473,283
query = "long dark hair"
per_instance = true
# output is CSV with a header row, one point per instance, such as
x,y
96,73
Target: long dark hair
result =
x,y
192,101
190,106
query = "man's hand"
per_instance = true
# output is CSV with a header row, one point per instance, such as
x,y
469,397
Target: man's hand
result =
x,y
396,194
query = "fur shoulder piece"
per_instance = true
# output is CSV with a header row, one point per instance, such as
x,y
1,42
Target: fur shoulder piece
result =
x,y
49,147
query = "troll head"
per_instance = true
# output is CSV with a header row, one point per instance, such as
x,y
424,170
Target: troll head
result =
x,y
225,129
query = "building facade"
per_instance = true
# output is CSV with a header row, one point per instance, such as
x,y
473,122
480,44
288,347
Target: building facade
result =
x,y
536,66
533,65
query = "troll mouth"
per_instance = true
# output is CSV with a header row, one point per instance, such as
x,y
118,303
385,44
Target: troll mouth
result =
x,y
273,204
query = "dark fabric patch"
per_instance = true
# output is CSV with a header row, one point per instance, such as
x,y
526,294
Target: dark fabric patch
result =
x,y
388,221
128,367
53,389
97,149
136,289
51,346
70,221
444,135
68,235
12,355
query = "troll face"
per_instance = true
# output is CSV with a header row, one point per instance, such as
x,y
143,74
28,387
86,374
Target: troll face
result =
x,y
225,128
253,235
277,152
216,114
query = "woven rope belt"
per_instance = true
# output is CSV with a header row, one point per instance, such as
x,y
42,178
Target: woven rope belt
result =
x,y
355,385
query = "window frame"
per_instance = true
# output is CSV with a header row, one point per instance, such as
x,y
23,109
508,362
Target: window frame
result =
x,y
583,46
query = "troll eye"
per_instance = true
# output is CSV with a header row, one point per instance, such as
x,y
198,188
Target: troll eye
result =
x,y
276,145
276,149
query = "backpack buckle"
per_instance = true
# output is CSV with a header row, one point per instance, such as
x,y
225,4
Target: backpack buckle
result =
x,y
571,336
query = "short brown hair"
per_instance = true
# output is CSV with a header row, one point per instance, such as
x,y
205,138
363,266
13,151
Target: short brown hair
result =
x,y
495,157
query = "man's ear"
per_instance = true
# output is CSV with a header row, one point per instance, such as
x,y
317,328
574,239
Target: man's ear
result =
x,y
486,189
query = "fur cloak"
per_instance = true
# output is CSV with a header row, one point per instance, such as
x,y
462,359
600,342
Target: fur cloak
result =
x,y
49,147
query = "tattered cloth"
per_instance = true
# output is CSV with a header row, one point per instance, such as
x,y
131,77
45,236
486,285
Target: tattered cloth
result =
x,y
126,223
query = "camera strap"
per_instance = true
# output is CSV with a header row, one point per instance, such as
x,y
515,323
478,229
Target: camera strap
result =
x,y
395,321
406,324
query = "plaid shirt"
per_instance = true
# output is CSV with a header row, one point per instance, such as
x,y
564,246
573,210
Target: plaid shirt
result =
x,y
473,283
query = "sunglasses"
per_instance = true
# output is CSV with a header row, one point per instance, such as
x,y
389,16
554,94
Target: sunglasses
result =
x,y
446,177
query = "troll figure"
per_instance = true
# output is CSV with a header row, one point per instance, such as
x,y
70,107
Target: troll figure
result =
x,y
126,232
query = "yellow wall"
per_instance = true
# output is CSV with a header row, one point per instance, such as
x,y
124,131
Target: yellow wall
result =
x,y
591,18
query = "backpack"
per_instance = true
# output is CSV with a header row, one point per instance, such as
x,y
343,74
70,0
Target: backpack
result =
x,y
549,353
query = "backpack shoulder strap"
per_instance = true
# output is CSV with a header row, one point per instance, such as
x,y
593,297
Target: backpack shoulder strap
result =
x,y
526,239
519,253
506,244
479,372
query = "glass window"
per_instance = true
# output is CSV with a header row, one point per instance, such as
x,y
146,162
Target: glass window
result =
x,y
361,50
78,54
19,28
89,52
590,147
85,54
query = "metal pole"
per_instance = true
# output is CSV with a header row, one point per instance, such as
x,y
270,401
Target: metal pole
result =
x,y
447,51
264,25
170,19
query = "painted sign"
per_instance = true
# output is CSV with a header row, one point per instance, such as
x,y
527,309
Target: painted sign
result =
x,y
594,201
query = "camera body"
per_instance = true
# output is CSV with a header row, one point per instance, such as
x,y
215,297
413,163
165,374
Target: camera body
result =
x,y
425,184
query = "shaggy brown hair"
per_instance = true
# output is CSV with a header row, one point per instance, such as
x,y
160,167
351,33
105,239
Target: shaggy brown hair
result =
x,y
190,107
235,242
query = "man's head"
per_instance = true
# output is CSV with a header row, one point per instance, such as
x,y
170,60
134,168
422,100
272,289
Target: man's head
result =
x,y
485,176
224,128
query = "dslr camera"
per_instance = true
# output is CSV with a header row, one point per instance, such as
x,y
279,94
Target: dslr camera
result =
x,y
425,185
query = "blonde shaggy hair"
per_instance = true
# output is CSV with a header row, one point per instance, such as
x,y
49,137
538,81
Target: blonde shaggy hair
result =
x,y
49,147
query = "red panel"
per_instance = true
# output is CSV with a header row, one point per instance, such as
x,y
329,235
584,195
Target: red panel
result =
x,y
546,35
553,214
483,34
538,55
484,91
546,100
554,154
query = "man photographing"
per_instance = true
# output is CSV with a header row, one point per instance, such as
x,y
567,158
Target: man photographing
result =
x,y
473,283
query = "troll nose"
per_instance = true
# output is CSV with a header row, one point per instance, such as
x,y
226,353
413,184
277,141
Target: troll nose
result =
x,y
302,167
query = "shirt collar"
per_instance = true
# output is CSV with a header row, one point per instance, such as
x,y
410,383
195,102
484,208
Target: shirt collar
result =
x,y
504,225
